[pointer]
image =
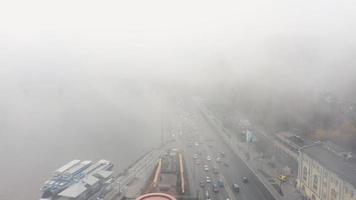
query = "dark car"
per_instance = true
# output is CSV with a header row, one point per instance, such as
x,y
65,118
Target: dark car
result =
x,y
202,184
221,183
236,187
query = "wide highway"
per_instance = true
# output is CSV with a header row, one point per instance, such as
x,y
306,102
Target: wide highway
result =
x,y
196,136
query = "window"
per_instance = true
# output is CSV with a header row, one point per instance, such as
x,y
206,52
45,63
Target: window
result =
x,y
315,182
305,173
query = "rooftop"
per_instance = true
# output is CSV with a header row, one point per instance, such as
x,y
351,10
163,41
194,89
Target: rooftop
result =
x,y
104,174
78,167
293,138
85,172
345,169
67,166
73,191
90,180
297,140
336,149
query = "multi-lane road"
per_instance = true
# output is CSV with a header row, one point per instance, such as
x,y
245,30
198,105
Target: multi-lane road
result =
x,y
199,138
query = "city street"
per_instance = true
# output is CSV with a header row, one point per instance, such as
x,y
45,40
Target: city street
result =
x,y
197,137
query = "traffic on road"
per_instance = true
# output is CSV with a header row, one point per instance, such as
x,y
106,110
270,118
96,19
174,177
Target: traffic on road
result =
x,y
216,172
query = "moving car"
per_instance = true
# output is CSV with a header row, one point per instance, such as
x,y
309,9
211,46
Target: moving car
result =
x,y
244,179
195,156
220,183
208,158
236,187
202,184
215,188
206,168
207,195
282,178
215,170
208,180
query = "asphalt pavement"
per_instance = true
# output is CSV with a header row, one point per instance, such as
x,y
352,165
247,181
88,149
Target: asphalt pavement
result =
x,y
201,139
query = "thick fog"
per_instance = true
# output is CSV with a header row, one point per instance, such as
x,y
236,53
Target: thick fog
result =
x,y
86,79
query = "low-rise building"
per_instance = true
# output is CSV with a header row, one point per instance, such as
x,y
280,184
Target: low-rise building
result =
x,y
78,180
324,174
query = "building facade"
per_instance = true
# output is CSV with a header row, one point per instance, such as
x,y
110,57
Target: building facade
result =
x,y
324,175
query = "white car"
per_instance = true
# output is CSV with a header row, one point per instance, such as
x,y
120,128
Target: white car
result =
x,y
208,158
208,180
215,170
206,168
207,196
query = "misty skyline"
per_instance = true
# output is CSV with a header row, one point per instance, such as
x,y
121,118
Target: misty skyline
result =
x,y
100,70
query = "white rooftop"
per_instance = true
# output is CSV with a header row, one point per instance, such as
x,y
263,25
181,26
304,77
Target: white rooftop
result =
x,y
73,191
90,180
67,166
104,174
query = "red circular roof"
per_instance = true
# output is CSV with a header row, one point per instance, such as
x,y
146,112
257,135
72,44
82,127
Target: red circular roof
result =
x,y
156,196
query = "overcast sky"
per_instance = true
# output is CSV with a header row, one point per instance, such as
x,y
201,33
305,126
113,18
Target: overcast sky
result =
x,y
184,40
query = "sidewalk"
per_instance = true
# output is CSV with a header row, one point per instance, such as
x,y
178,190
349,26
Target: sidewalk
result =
x,y
262,166
131,183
